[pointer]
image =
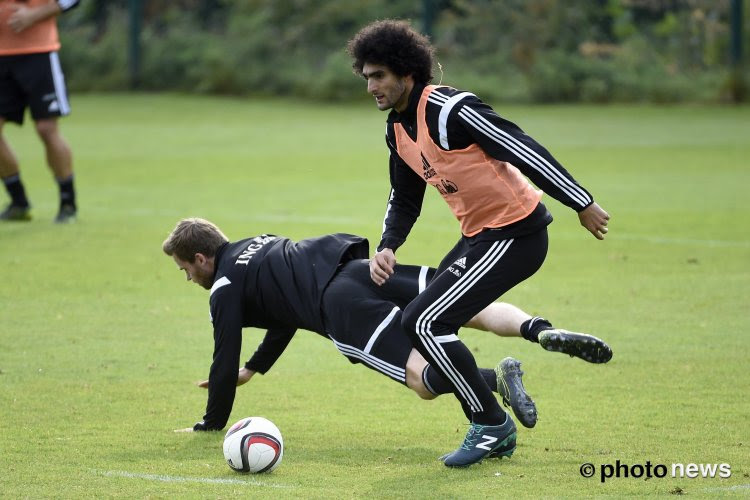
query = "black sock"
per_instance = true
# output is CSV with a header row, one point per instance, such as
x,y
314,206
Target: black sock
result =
x,y
531,328
16,191
490,377
67,191
436,384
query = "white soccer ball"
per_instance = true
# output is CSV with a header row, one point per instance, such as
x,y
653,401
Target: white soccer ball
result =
x,y
253,445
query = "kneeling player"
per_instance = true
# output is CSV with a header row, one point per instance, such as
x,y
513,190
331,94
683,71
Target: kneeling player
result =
x,y
362,320
323,285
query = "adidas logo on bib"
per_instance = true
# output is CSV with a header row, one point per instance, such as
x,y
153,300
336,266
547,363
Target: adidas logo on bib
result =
x,y
461,263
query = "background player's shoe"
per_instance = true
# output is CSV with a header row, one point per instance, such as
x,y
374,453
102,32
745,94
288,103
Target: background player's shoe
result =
x,y
510,387
66,215
484,441
580,345
16,213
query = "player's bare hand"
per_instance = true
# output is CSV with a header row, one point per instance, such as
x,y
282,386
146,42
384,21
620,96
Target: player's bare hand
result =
x,y
381,265
21,18
595,220
242,377
186,429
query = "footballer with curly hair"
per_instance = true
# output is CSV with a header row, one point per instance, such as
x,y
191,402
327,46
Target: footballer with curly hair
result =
x,y
479,163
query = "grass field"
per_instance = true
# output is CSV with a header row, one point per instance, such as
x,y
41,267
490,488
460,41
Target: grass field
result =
x,y
101,339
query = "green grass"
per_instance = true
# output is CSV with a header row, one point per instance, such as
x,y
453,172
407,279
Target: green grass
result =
x,y
101,339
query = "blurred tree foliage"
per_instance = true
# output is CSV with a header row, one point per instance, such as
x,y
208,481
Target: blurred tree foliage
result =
x,y
512,50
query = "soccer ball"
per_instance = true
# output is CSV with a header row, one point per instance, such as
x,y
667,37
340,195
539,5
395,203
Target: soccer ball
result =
x,y
253,445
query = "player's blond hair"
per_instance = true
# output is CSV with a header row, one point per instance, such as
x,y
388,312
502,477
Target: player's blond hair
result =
x,y
192,236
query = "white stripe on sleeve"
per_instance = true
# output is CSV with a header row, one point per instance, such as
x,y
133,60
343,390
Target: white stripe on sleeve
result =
x,y
443,117
536,161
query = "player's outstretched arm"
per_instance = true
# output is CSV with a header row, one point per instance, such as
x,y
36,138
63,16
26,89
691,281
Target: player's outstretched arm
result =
x,y
242,377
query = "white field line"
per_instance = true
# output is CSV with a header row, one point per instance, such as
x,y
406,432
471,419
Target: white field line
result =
x,y
736,487
681,241
179,479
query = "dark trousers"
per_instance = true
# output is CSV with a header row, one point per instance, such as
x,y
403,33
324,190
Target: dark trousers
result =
x,y
473,275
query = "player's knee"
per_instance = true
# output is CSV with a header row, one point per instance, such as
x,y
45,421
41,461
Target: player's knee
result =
x,y
47,129
409,320
425,394
415,324
414,382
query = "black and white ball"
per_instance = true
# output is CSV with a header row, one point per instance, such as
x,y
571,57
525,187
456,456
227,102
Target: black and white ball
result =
x,y
253,444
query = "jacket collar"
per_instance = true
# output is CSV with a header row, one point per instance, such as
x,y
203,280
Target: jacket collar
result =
x,y
410,113
217,257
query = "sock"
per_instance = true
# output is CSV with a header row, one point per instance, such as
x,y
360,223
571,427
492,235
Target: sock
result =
x,y
531,328
67,191
475,418
436,384
490,377
504,419
15,189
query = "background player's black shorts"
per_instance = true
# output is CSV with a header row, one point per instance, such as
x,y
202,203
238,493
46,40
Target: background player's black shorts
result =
x,y
364,319
35,81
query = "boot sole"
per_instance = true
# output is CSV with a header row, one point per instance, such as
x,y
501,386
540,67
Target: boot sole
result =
x,y
509,377
586,347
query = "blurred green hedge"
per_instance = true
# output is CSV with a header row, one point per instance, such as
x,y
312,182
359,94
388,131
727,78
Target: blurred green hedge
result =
x,y
511,50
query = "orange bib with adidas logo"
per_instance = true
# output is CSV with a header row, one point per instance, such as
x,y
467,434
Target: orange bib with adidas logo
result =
x,y
481,191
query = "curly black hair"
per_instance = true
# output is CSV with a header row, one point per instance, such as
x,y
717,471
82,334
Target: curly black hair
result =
x,y
396,45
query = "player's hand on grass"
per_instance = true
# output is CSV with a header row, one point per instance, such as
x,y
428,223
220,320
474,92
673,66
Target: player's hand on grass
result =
x,y
595,219
242,377
381,265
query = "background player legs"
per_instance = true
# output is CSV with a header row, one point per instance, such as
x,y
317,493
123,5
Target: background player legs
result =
x,y
60,161
8,160
59,155
18,208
